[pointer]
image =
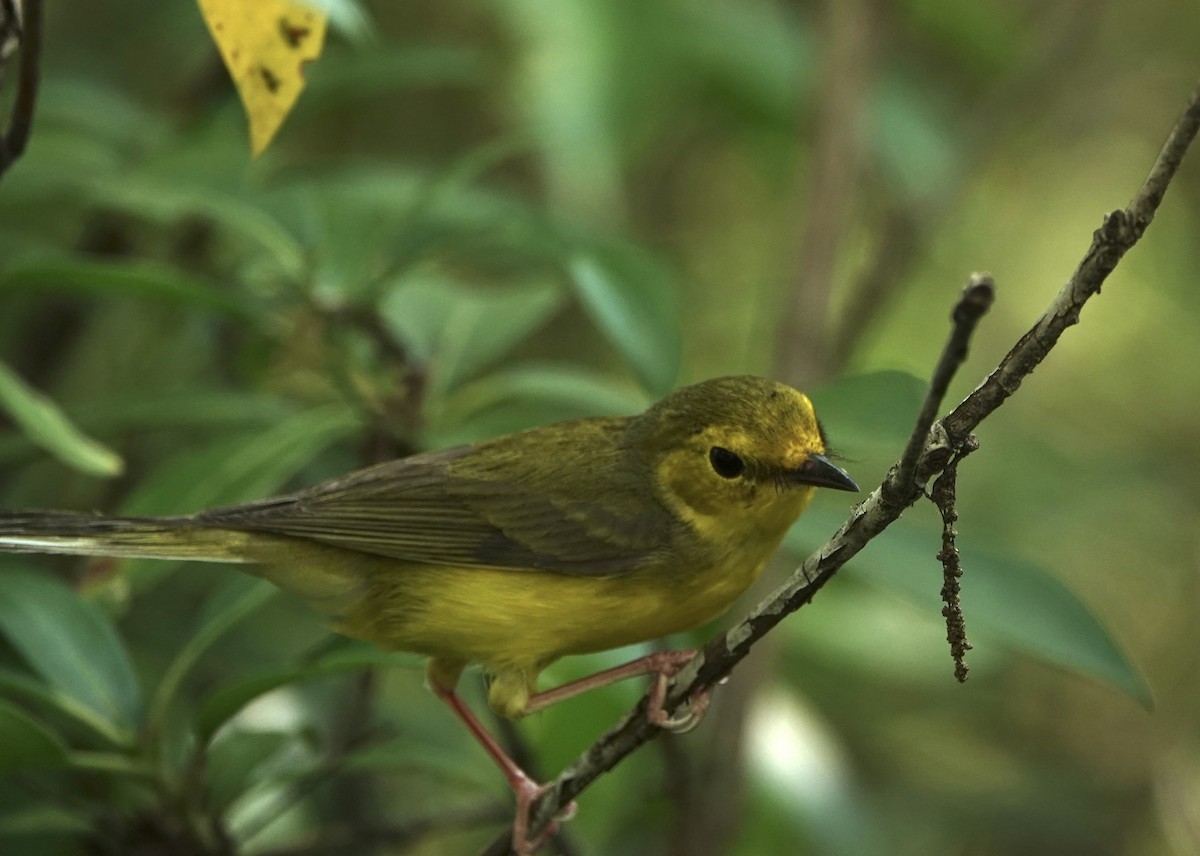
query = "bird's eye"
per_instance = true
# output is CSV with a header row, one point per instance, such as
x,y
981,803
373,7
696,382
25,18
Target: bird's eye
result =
x,y
726,464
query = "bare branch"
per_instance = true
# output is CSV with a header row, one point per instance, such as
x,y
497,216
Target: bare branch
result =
x,y
12,144
1120,231
976,299
945,497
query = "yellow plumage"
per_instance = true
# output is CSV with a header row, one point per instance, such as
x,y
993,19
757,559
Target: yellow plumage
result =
x,y
513,552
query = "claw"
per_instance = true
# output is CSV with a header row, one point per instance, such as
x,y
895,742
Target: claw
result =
x,y
697,705
679,723
528,793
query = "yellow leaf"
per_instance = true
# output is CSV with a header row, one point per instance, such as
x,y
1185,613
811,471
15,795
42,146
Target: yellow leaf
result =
x,y
265,44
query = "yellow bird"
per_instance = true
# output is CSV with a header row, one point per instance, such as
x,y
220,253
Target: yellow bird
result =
x,y
513,552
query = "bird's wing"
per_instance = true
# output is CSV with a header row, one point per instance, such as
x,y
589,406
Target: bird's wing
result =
x,y
520,502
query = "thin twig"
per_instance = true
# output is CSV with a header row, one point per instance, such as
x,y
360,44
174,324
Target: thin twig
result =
x,y
396,416
12,144
945,496
976,299
1120,231
718,658
10,32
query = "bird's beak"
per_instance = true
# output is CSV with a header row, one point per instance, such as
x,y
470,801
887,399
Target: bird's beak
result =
x,y
818,471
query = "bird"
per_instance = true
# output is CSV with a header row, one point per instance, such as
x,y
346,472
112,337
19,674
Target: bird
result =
x,y
513,552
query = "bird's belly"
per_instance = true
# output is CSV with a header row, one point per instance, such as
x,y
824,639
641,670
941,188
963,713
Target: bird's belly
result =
x,y
525,619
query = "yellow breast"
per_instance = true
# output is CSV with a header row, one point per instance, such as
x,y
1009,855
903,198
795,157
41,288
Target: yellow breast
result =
x,y
526,619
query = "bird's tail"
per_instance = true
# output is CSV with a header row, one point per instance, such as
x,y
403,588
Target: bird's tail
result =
x,y
126,537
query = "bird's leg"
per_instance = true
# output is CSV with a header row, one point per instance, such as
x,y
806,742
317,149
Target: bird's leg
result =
x,y
662,664
524,787
443,675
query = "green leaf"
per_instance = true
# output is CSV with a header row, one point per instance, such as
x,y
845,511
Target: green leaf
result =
x,y
42,820
1037,614
235,600
238,761
245,467
271,798
711,39
71,643
186,189
1006,599
571,99
199,409
448,217
462,330
43,423
25,743
921,152
85,129
633,302
866,411
113,764
50,698
141,279
386,67
459,763
95,110
528,395
196,408
575,388
223,704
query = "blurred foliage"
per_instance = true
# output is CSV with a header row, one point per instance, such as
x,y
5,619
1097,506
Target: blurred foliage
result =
x,y
487,216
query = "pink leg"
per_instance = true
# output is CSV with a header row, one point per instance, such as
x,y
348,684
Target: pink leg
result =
x,y
526,789
663,664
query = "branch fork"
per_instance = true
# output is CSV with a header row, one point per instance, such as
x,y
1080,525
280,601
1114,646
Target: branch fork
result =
x,y
935,446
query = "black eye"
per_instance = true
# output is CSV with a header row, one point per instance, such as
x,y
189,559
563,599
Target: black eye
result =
x,y
726,463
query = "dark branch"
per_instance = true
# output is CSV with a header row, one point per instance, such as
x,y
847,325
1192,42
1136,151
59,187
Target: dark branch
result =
x,y
12,145
976,299
719,657
943,439
945,497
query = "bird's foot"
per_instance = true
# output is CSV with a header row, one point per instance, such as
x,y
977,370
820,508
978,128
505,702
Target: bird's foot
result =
x,y
528,792
667,665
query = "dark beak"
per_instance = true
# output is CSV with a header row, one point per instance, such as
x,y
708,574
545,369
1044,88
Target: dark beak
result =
x,y
818,471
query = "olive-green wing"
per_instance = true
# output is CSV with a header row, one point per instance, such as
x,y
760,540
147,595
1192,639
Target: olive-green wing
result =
x,y
570,500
